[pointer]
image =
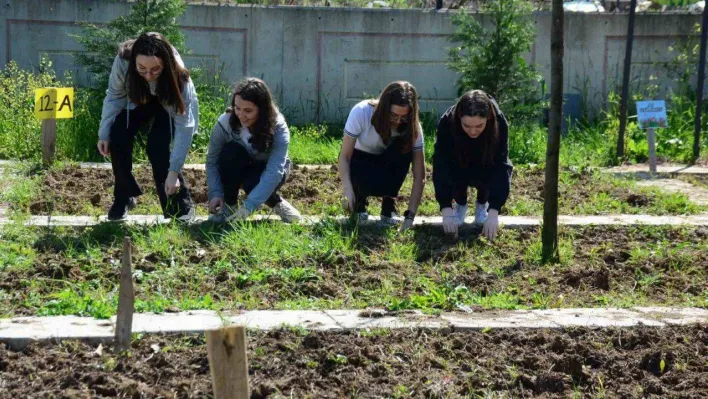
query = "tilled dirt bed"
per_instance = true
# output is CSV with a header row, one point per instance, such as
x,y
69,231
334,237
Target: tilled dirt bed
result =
x,y
291,363
615,265
76,191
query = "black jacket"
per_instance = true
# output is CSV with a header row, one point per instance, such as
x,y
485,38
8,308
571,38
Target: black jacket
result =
x,y
448,173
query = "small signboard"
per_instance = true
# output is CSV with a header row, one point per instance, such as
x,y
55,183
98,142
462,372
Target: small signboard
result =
x,y
54,103
652,114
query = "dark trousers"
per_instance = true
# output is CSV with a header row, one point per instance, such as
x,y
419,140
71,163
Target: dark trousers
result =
x,y
378,176
159,138
482,187
238,170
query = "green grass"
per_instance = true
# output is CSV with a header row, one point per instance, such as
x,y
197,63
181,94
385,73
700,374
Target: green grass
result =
x,y
276,266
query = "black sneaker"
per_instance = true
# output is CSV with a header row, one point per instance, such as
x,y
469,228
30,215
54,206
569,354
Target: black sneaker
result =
x,y
119,209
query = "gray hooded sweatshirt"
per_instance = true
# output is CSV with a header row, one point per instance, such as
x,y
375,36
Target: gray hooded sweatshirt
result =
x,y
276,159
117,100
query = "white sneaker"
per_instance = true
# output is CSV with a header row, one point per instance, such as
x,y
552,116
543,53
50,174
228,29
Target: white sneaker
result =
x,y
222,216
461,212
480,212
287,212
394,220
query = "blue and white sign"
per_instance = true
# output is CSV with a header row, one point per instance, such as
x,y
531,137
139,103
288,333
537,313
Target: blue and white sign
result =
x,y
652,114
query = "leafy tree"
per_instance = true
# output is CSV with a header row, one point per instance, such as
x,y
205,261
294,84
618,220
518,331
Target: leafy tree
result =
x,y
101,43
491,59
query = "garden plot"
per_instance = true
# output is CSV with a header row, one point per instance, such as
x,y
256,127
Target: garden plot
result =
x,y
79,191
293,362
268,265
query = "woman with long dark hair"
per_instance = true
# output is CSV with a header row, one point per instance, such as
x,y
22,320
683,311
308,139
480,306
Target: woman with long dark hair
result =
x,y
248,149
149,86
382,137
472,150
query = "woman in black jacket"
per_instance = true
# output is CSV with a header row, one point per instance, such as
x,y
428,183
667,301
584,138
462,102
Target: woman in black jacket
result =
x,y
472,150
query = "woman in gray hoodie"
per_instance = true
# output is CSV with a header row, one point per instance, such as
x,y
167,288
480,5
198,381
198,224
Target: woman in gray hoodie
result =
x,y
248,149
149,83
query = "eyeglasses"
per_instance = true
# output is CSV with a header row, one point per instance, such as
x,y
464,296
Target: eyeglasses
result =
x,y
154,71
398,118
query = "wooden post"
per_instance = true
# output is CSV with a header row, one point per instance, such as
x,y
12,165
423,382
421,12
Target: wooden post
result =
x,y
652,151
549,231
625,80
49,140
126,301
226,349
699,88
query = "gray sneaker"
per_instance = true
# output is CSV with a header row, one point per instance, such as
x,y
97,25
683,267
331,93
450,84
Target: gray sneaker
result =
x,y
187,217
287,212
393,220
222,216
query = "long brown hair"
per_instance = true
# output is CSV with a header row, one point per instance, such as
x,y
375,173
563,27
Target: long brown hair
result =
x,y
171,79
475,103
257,92
403,94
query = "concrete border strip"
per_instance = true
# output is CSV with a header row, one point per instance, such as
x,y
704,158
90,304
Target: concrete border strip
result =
x,y
638,169
510,222
18,332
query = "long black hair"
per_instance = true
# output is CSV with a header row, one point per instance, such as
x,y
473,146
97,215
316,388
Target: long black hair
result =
x,y
171,79
475,103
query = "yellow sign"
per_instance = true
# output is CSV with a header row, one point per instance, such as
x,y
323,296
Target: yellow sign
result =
x,y
54,103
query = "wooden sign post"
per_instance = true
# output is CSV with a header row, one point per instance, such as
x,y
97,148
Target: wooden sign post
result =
x,y
51,104
228,362
126,301
652,115
651,139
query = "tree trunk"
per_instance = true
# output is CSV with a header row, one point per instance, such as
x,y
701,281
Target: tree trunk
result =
x,y
699,89
625,81
550,203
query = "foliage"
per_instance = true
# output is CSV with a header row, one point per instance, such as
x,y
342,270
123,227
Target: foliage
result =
x,y
101,43
491,59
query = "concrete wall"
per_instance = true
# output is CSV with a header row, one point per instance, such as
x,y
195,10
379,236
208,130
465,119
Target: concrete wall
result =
x,y
320,61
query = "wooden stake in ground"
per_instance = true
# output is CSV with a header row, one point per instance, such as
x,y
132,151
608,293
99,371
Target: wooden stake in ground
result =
x,y
228,362
625,80
699,86
126,301
49,140
651,138
549,233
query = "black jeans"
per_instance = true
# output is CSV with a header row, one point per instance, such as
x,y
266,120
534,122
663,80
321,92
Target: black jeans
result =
x,y
237,170
159,137
460,194
379,176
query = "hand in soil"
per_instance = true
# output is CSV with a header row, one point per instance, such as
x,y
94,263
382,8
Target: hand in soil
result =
x,y
240,214
348,202
449,222
172,183
216,204
407,224
491,226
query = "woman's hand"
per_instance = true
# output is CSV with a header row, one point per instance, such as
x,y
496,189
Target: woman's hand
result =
x,y
172,183
449,222
216,204
104,147
491,226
